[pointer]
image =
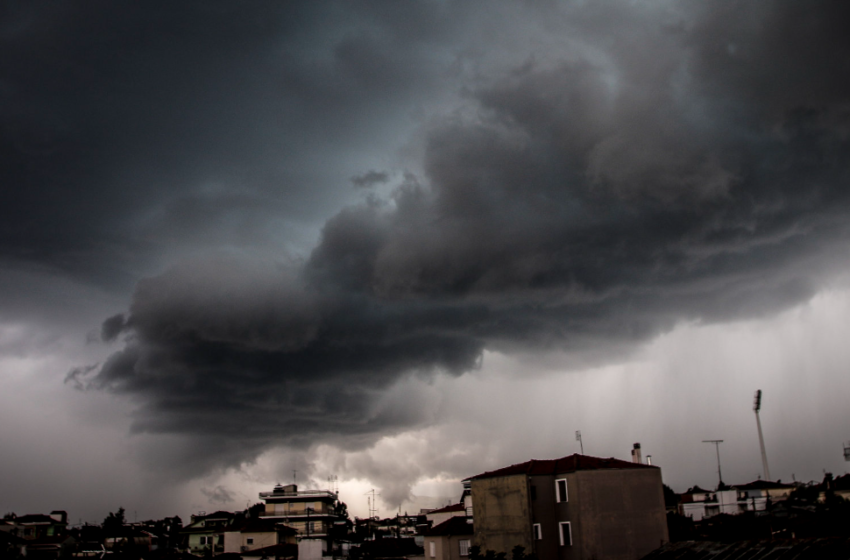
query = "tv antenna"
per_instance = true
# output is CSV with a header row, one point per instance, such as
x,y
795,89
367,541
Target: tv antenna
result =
x,y
578,439
756,408
373,505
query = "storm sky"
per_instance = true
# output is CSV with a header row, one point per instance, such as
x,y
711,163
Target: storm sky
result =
x,y
403,243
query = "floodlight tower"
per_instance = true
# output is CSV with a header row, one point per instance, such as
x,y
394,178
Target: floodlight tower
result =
x,y
717,443
756,408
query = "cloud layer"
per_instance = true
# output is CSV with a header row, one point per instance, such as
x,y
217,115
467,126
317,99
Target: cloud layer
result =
x,y
599,173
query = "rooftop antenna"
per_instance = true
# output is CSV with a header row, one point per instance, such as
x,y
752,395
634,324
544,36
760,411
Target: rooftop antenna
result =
x,y
294,476
717,443
756,408
578,439
847,451
373,507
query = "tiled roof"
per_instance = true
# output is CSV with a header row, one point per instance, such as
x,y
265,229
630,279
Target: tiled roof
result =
x,y
449,509
453,526
571,463
697,490
762,485
219,515
35,518
275,550
800,549
263,525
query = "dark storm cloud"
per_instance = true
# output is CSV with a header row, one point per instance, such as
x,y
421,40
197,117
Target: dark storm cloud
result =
x,y
664,165
370,179
128,132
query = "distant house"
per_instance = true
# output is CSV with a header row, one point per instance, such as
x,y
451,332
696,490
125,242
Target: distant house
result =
x,y
39,526
131,538
450,540
255,534
840,486
205,534
699,504
764,489
437,516
576,508
389,548
46,536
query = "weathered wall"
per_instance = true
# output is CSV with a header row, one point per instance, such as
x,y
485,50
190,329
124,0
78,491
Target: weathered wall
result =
x,y
621,512
502,515
445,547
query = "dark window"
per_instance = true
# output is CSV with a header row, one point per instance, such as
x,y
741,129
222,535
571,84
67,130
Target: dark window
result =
x,y
534,492
538,532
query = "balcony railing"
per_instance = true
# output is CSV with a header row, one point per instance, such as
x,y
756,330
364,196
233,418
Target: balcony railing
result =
x,y
300,494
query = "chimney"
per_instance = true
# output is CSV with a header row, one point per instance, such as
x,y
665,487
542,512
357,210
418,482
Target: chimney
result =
x,y
636,457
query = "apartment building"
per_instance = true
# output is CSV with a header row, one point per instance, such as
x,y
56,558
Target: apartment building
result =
x,y
573,508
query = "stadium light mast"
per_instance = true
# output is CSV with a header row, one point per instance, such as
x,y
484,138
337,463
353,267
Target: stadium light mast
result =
x,y
717,443
756,408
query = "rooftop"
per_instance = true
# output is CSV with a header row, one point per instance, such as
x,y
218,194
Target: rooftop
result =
x,y
763,485
800,549
449,509
34,518
454,526
697,490
568,464
291,491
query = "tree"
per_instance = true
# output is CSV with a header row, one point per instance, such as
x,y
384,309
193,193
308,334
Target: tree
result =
x,y
114,521
671,499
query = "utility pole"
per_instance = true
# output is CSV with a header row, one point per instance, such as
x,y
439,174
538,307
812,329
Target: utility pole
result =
x,y
717,443
578,439
756,408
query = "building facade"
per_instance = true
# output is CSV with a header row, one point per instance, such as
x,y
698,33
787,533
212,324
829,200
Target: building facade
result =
x,y
312,513
574,508
450,540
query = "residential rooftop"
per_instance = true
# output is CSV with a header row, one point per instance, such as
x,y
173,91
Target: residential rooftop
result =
x,y
568,464
449,509
454,526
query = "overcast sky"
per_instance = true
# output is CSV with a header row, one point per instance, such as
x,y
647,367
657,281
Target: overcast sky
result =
x,y
402,243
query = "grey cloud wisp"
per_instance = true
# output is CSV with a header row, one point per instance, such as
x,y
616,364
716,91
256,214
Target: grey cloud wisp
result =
x,y
665,165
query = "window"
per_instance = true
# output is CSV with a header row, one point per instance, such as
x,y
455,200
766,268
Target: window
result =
x,y
464,547
561,490
533,493
205,541
250,541
538,532
432,548
566,533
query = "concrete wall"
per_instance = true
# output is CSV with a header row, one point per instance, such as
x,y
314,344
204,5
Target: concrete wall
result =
x,y
260,540
502,513
616,514
445,548
311,549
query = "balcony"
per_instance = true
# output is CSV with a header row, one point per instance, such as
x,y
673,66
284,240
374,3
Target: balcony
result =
x,y
308,494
